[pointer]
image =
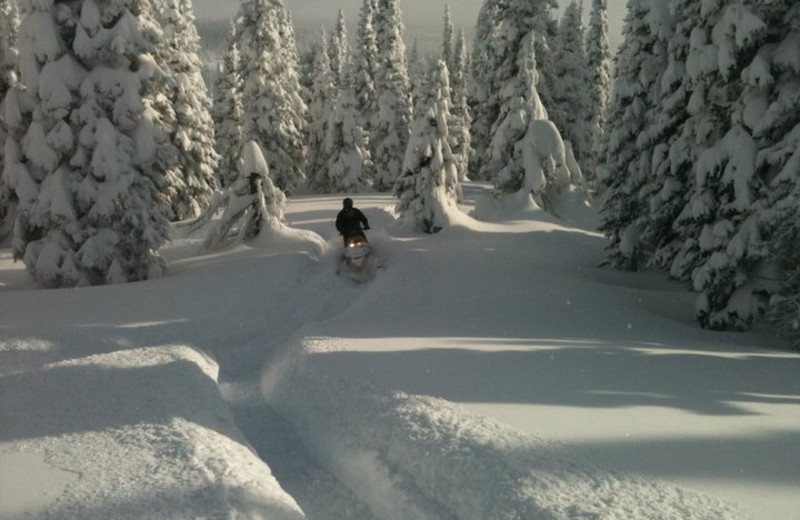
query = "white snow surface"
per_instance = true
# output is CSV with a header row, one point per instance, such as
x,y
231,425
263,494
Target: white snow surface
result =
x,y
491,371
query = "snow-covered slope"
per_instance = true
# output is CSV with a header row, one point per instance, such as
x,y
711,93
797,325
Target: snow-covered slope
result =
x,y
493,370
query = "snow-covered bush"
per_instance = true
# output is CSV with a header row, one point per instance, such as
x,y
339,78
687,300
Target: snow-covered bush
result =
x,y
252,204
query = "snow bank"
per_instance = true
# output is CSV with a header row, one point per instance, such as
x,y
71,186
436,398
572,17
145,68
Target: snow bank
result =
x,y
568,206
285,239
133,434
416,457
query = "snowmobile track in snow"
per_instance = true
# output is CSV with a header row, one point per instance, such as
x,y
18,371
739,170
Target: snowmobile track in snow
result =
x,y
320,495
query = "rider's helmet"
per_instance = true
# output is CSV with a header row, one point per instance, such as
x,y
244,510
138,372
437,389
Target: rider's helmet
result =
x,y
347,203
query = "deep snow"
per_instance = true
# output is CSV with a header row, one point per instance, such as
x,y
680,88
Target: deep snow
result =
x,y
493,370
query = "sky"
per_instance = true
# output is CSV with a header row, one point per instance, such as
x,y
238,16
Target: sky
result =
x,y
423,18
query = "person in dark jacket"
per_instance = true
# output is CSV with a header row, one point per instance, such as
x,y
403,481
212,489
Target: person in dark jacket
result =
x,y
351,221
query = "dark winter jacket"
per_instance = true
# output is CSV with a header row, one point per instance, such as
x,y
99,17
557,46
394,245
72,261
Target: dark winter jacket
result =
x,y
351,220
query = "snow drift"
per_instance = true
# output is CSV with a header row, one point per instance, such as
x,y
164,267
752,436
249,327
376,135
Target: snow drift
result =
x,y
419,457
141,433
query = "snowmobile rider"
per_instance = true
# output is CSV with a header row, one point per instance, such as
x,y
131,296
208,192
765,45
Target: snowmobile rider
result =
x,y
351,221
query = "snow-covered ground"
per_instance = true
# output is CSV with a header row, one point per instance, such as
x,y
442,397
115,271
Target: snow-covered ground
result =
x,y
493,370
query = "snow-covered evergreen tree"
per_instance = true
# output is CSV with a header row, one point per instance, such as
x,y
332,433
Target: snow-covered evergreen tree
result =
x,y
598,55
670,140
349,163
365,57
324,98
727,184
483,107
545,27
710,187
89,209
512,23
390,130
252,204
305,64
228,114
461,119
778,134
784,309
447,38
191,130
527,152
570,94
339,50
273,108
417,73
9,30
625,168
428,189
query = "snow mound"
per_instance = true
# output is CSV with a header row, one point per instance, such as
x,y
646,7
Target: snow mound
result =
x,y
572,206
569,206
145,432
287,239
418,457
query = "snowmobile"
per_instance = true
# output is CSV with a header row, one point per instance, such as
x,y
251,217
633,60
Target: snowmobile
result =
x,y
357,261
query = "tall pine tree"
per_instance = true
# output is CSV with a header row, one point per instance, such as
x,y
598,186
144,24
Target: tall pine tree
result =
x,y
510,25
570,101
778,134
191,128
429,190
482,91
324,98
349,163
365,58
447,39
89,209
721,214
339,50
460,139
625,159
598,55
228,113
391,128
527,151
274,111
9,30
669,139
